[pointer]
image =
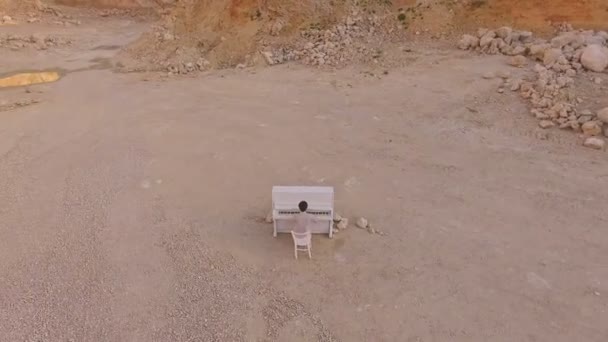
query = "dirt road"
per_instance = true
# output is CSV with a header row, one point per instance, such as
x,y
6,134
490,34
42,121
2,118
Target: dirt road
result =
x,y
131,206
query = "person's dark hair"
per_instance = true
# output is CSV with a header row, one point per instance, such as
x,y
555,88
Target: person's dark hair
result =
x,y
303,206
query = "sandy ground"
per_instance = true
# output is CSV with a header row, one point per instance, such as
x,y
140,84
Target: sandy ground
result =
x,y
131,206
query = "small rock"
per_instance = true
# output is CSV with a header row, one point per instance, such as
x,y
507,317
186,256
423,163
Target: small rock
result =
x,y
595,58
500,90
563,40
268,57
168,36
371,230
570,72
503,74
7,19
584,118
276,28
468,42
551,56
337,217
269,218
515,85
504,32
481,32
594,142
544,124
343,224
518,50
362,223
602,115
487,39
591,128
597,80
541,135
518,61
537,51
241,66
489,75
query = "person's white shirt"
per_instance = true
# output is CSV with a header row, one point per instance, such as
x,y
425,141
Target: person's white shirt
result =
x,y
302,222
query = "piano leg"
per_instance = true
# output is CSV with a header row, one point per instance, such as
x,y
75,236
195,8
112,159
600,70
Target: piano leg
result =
x,y
331,229
274,224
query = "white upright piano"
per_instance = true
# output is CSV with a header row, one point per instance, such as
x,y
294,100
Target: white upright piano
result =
x,y
285,200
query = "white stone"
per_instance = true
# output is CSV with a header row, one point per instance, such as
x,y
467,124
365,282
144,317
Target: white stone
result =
x,y
337,217
343,224
594,142
595,58
362,223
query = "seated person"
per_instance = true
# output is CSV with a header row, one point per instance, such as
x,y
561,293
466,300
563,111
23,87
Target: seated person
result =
x,y
303,219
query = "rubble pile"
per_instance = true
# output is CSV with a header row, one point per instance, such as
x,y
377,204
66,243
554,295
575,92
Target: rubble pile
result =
x,y
357,37
552,92
39,42
351,39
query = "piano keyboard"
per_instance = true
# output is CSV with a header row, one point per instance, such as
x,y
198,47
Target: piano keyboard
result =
x,y
312,212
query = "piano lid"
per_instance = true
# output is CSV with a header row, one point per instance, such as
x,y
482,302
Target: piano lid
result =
x,y
303,189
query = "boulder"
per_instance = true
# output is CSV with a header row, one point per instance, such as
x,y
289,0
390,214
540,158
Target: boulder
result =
x,y
595,58
602,115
